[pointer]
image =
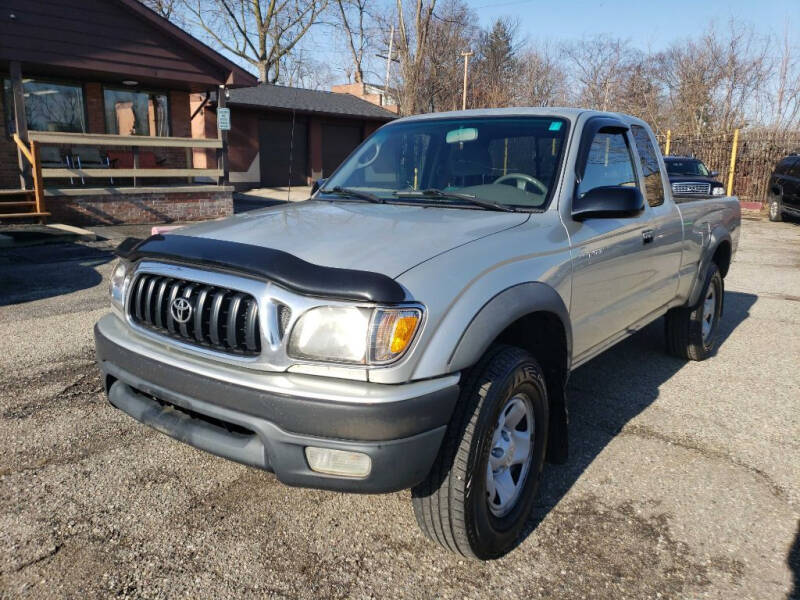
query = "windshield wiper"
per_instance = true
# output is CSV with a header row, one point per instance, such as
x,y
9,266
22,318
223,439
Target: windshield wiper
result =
x,y
433,192
341,191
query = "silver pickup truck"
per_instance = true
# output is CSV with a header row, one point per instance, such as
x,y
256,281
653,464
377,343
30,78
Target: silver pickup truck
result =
x,y
414,323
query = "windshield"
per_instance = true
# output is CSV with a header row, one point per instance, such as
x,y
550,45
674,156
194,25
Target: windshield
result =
x,y
686,167
513,162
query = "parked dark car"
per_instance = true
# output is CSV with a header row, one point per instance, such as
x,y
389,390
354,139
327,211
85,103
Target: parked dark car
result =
x,y
784,187
690,177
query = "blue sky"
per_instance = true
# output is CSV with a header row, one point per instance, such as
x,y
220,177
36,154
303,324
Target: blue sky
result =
x,y
649,24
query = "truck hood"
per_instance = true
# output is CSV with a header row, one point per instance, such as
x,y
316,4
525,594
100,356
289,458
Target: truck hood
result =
x,y
383,238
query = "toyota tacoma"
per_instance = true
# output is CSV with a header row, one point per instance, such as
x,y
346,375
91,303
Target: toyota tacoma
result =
x,y
414,323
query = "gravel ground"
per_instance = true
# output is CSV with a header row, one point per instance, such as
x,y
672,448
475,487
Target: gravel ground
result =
x,y
682,482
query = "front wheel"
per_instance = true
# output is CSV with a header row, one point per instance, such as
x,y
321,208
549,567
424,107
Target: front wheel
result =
x,y
775,210
480,491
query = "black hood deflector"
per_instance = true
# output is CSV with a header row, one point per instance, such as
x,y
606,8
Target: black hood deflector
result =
x,y
265,263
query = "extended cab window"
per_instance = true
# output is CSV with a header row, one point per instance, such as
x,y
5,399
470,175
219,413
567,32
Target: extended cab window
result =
x,y
653,184
609,163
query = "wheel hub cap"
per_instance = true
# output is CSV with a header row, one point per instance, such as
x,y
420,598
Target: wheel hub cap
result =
x,y
709,308
511,454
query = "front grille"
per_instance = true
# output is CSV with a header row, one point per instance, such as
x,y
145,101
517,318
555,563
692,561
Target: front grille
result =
x,y
216,317
691,188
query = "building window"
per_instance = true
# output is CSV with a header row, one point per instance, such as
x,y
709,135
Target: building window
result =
x,y
136,112
49,106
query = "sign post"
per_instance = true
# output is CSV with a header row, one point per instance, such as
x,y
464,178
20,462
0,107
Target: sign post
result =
x,y
223,126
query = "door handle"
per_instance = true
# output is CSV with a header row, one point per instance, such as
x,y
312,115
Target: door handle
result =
x,y
647,236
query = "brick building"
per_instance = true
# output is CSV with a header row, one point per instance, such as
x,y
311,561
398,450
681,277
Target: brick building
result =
x,y
97,122
282,135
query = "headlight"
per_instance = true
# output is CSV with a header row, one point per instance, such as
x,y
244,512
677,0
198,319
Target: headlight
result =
x,y
354,335
718,191
119,282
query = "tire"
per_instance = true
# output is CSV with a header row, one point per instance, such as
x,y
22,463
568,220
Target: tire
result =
x,y
684,326
775,209
452,505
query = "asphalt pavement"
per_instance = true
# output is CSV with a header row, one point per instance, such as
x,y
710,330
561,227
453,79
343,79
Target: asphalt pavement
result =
x,y
683,480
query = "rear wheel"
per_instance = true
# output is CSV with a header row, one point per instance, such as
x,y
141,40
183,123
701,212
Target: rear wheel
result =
x,y
775,210
691,331
480,491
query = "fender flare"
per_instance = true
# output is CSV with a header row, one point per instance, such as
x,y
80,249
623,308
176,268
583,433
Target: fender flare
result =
x,y
718,235
501,311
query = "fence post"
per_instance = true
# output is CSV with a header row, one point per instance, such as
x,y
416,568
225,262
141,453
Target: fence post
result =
x,y
669,139
38,185
733,161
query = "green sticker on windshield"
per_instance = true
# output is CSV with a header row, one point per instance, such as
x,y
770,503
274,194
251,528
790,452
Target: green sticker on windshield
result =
x,y
555,126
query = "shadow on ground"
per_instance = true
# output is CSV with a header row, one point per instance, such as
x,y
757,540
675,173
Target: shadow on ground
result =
x,y
609,391
793,561
36,272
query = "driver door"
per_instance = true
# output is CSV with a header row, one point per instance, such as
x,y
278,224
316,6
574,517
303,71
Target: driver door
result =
x,y
611,267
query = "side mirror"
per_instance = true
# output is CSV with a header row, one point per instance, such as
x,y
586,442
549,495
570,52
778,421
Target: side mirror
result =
x,y
317,185
714,173
608,202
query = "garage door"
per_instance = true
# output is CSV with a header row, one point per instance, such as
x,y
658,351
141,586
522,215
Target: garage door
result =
x,y
338,141
275,141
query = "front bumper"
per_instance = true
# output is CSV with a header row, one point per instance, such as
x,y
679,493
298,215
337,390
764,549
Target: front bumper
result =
x,y
270,430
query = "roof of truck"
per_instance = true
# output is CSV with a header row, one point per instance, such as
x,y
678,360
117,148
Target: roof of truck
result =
x,y
520,111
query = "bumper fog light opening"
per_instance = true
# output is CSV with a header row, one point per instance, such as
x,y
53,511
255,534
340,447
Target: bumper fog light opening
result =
x,y
338,462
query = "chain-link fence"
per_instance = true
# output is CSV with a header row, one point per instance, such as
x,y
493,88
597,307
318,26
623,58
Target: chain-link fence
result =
x,y
756,157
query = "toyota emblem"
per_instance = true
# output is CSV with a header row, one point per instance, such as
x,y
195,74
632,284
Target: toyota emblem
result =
x,y
181,310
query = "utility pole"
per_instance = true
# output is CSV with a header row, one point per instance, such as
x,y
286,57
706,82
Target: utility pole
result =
x,y
466,56
389,62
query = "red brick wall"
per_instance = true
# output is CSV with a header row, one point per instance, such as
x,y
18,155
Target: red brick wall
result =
x,y
9,168
114,209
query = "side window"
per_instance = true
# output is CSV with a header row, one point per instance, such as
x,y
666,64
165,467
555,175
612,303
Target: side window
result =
x,y
653,184
609,163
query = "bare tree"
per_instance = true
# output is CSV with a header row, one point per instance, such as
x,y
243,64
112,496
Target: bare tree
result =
x,y
166,8
542,78
600,67
413,29
642,93
260,32
785,102
299,69
689,76
495,66
743,69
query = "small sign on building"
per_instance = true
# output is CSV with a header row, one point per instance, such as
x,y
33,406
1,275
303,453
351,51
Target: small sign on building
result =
x,y
224,119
